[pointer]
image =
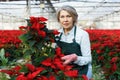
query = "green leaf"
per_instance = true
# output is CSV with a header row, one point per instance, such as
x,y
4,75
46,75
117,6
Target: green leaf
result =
x,y
31,43
13,78
24,69
28,22
44,72
68,78
2,57
25,37
51,52
39,46
27,52
3,76
2,53
4,61
37,60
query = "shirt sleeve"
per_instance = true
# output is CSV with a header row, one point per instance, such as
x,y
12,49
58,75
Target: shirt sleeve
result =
x,y
86,57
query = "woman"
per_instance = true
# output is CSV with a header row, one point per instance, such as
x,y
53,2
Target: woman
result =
x,y
74,41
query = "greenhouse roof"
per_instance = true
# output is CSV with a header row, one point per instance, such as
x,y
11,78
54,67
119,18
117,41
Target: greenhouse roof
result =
x,y
87,9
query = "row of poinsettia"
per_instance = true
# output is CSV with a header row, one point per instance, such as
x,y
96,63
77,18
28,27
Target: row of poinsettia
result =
x,y
9,37
105,46
106,51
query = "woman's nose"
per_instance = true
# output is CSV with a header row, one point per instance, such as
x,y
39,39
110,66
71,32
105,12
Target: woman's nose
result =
x,y
65,19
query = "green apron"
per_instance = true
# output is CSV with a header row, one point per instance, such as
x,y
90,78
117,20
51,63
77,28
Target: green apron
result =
x,y
70,48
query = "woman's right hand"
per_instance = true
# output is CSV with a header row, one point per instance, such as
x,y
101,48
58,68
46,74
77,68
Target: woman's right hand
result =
x,y
69,58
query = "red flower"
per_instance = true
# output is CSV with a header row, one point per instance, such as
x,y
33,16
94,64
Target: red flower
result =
x,y
7,72
52,78
114,60
42,33
1,45
13,71
84,77
16,68
98,51
37,26
58,52
112,53
113,67
33,19
52,40
37,22
21,77
4,41
55,32
40,68
7,54
57,61
42,19
30,67
32,75
41,25
100,58
47,62
72,73
42,78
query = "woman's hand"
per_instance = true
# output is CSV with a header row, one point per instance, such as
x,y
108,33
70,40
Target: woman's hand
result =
x,y
69,58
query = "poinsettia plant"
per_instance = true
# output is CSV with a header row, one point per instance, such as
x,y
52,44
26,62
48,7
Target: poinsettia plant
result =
x,y
43,61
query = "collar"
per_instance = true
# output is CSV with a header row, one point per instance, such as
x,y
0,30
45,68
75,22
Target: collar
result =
x,y
70,32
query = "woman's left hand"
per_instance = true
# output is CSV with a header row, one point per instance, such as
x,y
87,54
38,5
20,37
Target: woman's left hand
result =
x,y
69,58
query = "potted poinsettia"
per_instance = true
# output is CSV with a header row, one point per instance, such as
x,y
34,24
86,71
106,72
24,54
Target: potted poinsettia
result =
x,y
42,60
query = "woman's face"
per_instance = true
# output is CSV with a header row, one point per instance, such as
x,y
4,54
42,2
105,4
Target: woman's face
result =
x,y
65,20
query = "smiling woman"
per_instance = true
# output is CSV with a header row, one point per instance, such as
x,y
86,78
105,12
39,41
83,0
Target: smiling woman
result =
x,y
74,42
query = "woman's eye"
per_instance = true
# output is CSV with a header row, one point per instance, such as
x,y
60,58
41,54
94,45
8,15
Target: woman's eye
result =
x,y
61,16
68,16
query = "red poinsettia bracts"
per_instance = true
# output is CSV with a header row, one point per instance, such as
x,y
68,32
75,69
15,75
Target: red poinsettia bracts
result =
x,y
36,25
47,62
57,64
84,77
42,33
13,71
55,32
30,67
37,22
21,77
114,60
71,73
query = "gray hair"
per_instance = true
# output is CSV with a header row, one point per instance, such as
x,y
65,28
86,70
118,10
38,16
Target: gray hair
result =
x,y
70,10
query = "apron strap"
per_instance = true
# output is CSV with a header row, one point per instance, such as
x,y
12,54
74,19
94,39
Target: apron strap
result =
x,y
59,38
74,34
